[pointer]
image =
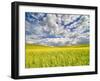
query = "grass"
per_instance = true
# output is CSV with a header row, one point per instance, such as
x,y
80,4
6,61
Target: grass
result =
x,y
44,56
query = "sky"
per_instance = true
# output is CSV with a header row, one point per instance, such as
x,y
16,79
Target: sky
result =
x,y
55,29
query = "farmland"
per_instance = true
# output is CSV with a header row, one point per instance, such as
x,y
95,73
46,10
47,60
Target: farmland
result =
x,y
38,56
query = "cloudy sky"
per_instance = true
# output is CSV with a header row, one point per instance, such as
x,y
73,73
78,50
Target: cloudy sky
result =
x,y
56,29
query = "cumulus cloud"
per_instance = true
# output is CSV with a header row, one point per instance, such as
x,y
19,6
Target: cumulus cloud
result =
x,y
56,29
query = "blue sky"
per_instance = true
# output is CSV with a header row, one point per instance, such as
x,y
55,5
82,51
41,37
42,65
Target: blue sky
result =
x,y
56,29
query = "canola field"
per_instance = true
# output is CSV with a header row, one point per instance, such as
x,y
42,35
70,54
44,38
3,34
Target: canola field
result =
x,y
38,56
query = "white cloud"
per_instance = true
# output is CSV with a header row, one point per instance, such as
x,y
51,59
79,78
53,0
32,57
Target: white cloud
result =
x,y
51,25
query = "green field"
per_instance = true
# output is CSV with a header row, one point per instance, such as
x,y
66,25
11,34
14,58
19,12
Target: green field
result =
x,y
44,56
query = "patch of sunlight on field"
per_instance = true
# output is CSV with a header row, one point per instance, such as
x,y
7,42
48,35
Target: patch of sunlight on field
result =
x,y
45,56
